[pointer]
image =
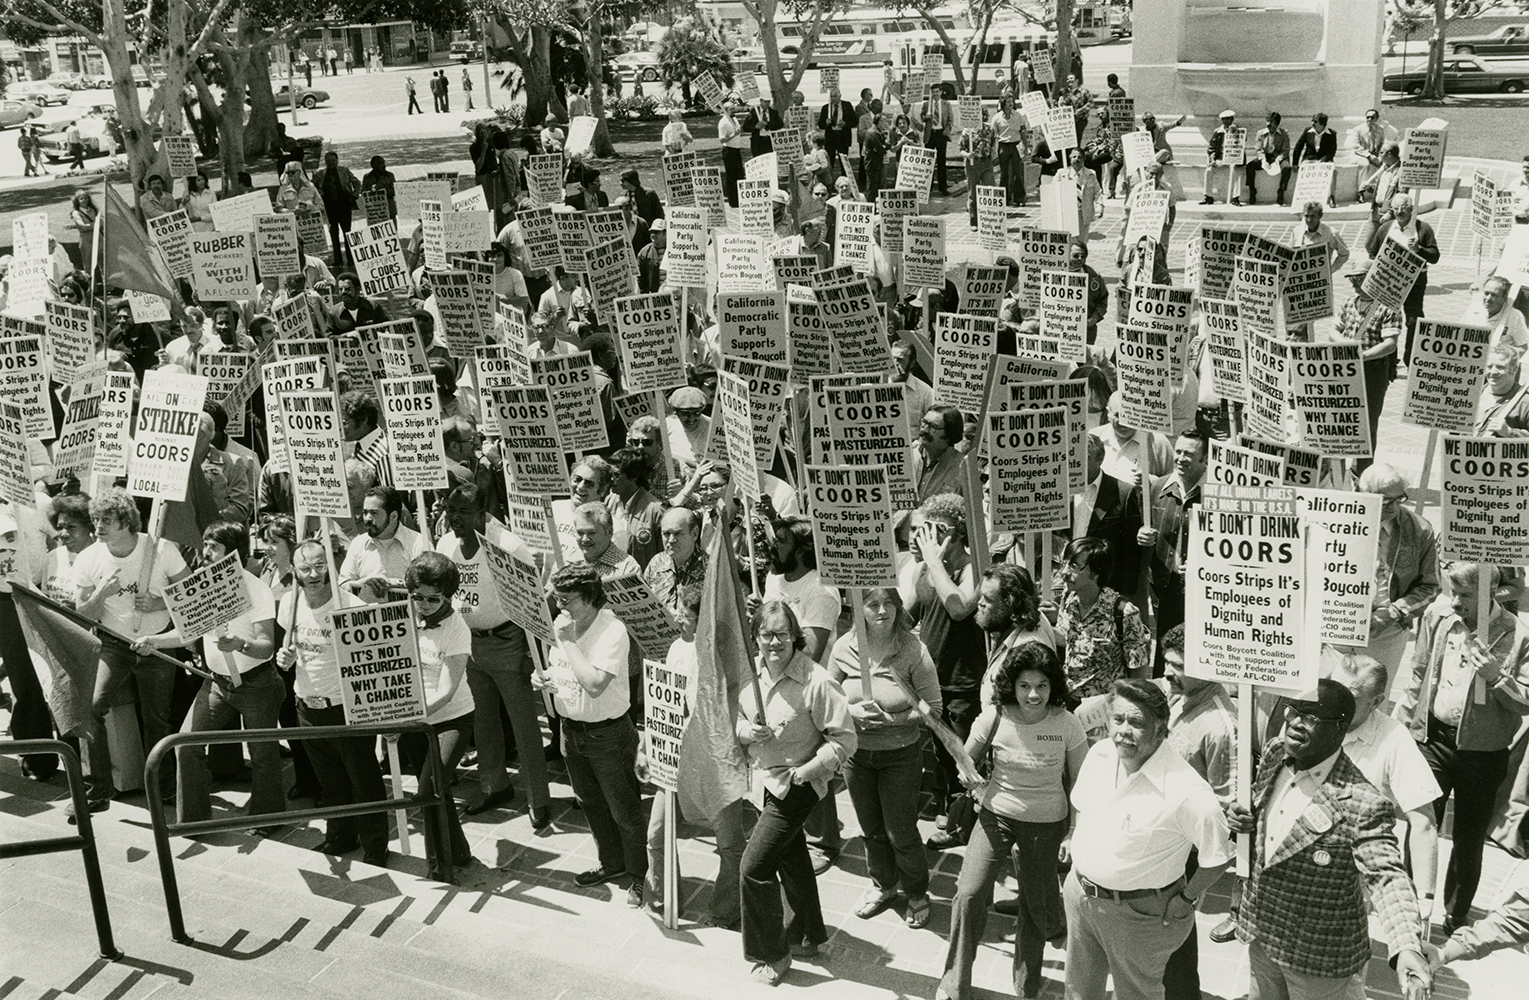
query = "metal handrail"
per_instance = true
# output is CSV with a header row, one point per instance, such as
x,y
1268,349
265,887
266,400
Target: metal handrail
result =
x,y
84,841
437,836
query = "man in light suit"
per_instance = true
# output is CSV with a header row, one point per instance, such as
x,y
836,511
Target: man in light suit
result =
x,y
938,121
837,120
1322,842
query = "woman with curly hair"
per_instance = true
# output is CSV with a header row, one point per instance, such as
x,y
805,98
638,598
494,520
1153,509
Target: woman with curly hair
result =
x,y
1036,746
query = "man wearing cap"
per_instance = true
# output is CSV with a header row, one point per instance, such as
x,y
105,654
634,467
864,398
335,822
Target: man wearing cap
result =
x,y
650,259
1377,328
688,425
1401,224
1213,154
1322,843
1140,809
837,120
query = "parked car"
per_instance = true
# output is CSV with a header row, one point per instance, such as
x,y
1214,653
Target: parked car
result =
x,y
1509,40
466,51
1463,76
99,134
69,81
309,99
38,92
637,66
16,112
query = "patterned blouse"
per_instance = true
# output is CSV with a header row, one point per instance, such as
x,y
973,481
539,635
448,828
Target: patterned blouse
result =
x,y
1098,653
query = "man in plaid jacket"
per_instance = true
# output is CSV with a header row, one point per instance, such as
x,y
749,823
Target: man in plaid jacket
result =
x,y
1322,839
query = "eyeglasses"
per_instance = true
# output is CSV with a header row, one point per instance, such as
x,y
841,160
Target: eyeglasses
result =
x,y
1307,715
688,412
1392,501
427,598
562,600
771,638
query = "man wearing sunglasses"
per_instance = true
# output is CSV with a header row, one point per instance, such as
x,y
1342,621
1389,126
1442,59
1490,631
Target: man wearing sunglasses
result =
x,y
1322,841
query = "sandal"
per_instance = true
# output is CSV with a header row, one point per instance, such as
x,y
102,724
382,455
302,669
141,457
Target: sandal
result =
x,y
873,902
918,911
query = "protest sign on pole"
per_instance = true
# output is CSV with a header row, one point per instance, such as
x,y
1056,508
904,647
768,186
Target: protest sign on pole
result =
x,y
1028,469
809,350
378,653
412,416
570,378
544,179
1040,250
581,133
148,307
854,237
1256,290
71,338
1313,182
923,252
1138,151
793,269
980,288
398,348
374,202
1218,253
735,412
466,232
208,598
1444,378
1309,285
1061,128
1392,274
1070,394
1327,391
29,235
895,206
612,275
707,185
648,328
968,112
711,91
1064,310
225,370
517,579
276,245
1246,591
756,210
858,337
1164,309
237,214
752,325
664,728
1226,348
1145,368
76,447
1234,465
651,623
1485,516
767,384
379,258
1267,415
1122,114
915,171
870,425
530,518
686,256
315,456
171,232
460,330
1344,545
29,282
1423,157
992,217
432,222
1149,216
539,230
677,180
313,232
1303,468
962,346
112,441
164,435
223,265
851,511
15,467
741,263
23,362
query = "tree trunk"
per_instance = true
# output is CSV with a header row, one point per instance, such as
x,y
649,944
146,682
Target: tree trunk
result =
x,y
1066,43
537,73
137,136
174,83
1433,82
594,75
260,130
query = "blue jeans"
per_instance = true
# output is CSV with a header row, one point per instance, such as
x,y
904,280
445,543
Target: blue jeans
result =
x,y
730,843
348,772
600,757
776,859
884,786
257,702
1034,848
156,687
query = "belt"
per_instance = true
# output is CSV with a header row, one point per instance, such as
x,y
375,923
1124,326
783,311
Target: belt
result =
x,y
588,726
1008,142
245,675
1098,891
497,632
317,703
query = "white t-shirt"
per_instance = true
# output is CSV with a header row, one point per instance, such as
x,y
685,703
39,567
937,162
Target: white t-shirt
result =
x,y
317,672
449,638
815,603
606,645
58,576
1388,757
477,598
95,566
243,627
